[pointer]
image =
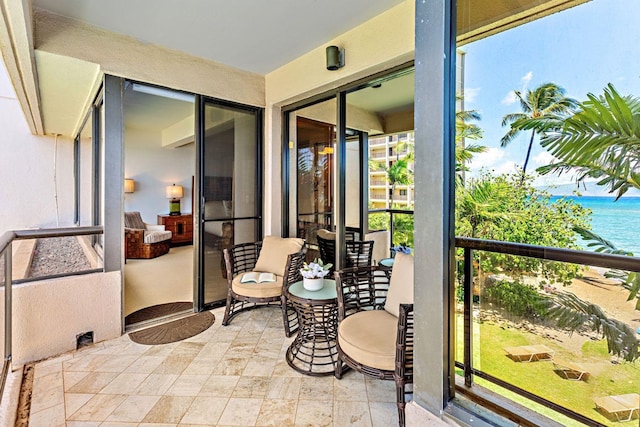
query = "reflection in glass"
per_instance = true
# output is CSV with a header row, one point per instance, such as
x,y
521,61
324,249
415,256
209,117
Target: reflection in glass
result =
x,y
315,176
229,190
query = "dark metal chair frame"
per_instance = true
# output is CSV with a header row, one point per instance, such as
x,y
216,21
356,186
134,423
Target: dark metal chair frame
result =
x,y
243,257
365,288
359,253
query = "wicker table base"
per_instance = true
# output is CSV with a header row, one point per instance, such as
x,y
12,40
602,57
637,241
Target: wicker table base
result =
x,y
314,351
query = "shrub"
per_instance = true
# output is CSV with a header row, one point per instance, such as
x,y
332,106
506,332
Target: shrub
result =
x,y
502,208
517,298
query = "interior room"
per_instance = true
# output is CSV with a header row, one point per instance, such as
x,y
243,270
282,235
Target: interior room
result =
x,y
159,153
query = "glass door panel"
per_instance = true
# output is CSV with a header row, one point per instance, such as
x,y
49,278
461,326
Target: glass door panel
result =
x,y
315,174
230,189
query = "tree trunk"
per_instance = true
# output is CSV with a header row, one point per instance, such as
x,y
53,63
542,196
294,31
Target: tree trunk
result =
x,y
393,190
526,160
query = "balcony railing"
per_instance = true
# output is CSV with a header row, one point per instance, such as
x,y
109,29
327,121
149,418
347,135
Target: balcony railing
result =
x,y
472,325
481,358
6,248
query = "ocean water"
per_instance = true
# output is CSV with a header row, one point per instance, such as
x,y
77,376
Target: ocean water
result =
x,y
616,221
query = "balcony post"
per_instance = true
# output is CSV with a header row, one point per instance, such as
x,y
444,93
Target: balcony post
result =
x,y
8,278
468,316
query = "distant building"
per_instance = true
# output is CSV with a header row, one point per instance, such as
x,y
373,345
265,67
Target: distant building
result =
x,y
383,152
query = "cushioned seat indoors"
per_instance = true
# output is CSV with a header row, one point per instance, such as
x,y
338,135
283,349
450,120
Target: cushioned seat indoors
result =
x,y
281,256
375,330
144,240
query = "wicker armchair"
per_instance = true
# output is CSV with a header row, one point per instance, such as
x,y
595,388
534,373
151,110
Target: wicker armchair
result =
x,y
142,240
358,254
246,257
372,340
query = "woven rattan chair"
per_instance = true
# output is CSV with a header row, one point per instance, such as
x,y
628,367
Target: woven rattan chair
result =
x,y
243,258
142,240
370,339
359,253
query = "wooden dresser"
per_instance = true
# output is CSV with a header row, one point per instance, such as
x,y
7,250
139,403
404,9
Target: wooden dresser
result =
x,y
181,227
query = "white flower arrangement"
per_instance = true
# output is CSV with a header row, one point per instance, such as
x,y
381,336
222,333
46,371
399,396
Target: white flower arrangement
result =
x,y
315,269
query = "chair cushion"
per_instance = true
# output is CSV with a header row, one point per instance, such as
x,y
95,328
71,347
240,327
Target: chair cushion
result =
x,y
274,253
369,338
257,290
133,220
156,236
401,284
326,234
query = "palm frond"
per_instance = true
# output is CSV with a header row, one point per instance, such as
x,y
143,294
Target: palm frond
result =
x,y
599,243
602,140
571,312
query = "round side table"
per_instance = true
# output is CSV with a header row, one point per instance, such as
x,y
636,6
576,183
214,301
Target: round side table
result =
x,y
314,351
386,262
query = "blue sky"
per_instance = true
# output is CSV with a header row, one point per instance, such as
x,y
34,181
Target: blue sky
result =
x,y
581,49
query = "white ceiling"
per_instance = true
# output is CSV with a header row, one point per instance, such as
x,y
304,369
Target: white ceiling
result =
x,y
253,35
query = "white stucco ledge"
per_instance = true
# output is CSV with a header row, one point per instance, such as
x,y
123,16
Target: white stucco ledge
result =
x,y
48,315
10,398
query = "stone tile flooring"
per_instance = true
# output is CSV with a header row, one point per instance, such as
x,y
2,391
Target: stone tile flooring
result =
x,y
232,375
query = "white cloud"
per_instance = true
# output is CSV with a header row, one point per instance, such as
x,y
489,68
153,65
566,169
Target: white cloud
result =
x,y
509,98
543,158
487,159
471,93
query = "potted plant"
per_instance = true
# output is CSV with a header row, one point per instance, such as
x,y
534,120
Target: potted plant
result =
x,y
401,248
313,274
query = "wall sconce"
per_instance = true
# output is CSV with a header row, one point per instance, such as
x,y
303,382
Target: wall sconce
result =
x,y
129,185
174,194
335,58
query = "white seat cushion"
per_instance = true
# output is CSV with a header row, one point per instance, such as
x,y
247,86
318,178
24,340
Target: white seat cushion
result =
x,y
326,234
401,284
257,290
156,236
369,338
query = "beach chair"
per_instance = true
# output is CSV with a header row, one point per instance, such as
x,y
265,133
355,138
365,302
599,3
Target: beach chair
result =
x,y
571,371
622,406
530,353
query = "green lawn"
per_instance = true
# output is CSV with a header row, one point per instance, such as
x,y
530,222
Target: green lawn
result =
x,y
540,377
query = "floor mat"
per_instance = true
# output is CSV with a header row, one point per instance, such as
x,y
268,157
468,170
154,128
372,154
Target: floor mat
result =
x,y
176,330
155,311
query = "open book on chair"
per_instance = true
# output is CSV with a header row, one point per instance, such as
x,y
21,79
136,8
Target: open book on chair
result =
x,y
257,277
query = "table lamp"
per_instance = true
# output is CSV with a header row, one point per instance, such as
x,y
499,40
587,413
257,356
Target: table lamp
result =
x,y
174,194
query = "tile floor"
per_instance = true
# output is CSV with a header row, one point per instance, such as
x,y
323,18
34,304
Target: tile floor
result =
x,y
232,375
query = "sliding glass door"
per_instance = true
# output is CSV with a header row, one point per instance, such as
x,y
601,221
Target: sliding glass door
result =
x,y
230,210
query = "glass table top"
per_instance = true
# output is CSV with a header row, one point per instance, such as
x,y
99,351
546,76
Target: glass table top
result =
x,y
327,292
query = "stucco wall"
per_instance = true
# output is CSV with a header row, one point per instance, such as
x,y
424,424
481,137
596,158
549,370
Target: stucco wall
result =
x,y
154,167
383,41
49,314
375,46
127,57
28,190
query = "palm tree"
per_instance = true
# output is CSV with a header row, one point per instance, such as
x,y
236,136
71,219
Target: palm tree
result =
x,y
546,105
466,130
398,173
602,141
